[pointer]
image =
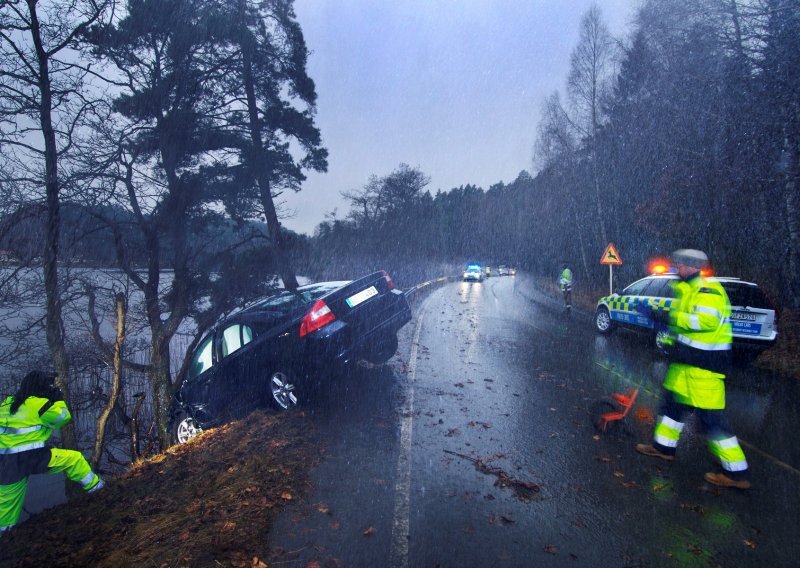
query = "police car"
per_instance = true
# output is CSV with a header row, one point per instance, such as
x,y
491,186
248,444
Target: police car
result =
x,y
753,317
473,272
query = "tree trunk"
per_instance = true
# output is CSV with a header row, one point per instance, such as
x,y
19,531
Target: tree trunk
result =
x,y
160,384
601,219
261,160
792,205
54,322
102,420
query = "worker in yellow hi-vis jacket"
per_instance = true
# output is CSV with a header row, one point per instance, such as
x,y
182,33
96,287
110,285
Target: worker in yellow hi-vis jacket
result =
x,y
699,320
27,420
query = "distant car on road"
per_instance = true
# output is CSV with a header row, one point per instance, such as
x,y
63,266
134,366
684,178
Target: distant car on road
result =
x,y
271,351
473,273
502,270
753,317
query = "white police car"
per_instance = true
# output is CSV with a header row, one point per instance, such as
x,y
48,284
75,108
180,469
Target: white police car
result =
x,y
473,273
753,317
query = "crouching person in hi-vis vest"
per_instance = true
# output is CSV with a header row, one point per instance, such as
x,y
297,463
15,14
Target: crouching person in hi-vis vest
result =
x,y
27,419
699,319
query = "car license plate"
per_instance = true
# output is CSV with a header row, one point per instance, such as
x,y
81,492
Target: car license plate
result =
x,y
362,296
743,316
746,328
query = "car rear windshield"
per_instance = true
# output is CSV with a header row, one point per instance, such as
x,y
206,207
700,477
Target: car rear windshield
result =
x,y
746,296
287,302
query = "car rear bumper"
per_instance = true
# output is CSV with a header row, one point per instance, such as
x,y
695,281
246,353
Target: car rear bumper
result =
x,y
339,344
751,342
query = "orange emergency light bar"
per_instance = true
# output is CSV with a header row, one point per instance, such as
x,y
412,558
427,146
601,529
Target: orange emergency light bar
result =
x,y
661,266
658,266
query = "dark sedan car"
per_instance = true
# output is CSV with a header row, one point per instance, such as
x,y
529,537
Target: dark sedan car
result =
x,y
270,351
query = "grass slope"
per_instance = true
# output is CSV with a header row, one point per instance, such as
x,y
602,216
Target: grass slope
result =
x,y
208,503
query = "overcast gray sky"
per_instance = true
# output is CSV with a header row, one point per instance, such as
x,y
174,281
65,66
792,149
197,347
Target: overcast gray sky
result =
x,y
454,87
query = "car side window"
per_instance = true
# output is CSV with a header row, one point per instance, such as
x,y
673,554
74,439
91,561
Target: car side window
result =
x,y
659,288
231,340
636,288
234,337
203,358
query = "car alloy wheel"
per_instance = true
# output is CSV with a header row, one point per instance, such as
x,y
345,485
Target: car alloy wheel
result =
x,y
282,388
663,341
185,428
602,320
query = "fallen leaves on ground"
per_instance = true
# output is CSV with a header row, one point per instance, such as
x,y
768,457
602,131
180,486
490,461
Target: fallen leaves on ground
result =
x,y
550,548
699,509
501,520
695,549
523,490
370,531
209,502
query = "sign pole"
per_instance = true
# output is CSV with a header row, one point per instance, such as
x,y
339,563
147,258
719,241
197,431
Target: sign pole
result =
x,y
610,279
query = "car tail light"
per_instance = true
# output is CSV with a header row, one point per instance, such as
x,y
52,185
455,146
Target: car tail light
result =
x,y
388,279
319,316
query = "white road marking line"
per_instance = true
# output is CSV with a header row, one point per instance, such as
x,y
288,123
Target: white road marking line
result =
x,y
401,530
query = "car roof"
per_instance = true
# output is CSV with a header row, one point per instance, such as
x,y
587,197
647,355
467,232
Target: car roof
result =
x,y
721,279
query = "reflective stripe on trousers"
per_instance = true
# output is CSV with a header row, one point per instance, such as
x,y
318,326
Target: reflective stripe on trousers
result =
x,y
667,432
729,453
72,463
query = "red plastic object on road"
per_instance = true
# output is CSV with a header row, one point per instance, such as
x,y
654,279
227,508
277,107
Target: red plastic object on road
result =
x,y
613,408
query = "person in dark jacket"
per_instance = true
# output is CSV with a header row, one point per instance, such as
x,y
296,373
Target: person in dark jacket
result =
x,y
27,420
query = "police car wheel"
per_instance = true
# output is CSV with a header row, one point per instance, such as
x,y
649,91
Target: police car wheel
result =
x,y
602,320
662,341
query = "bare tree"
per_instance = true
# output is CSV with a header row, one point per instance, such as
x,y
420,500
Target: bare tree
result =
x,y
589,83
42,102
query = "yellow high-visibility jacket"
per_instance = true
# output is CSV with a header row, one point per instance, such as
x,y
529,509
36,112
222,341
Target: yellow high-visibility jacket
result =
x,y
27,429
700,321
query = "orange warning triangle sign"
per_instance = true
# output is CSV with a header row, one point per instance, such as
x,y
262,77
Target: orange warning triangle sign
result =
x,y
611,256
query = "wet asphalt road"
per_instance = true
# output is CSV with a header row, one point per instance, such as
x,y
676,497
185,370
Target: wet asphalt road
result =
x,y
475,447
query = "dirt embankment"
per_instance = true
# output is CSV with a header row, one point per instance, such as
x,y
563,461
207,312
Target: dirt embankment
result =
x,y
208,503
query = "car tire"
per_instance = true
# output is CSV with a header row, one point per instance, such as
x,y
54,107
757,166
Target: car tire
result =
x,y
385,350
282,391
183,428
602,320
662,341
